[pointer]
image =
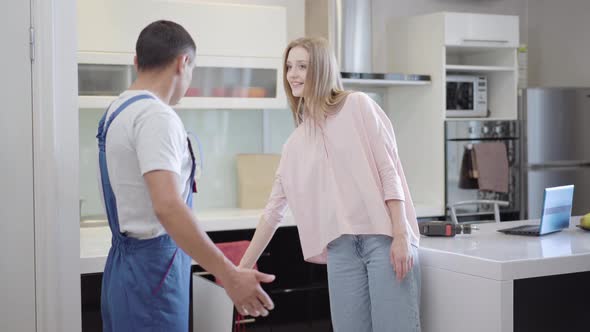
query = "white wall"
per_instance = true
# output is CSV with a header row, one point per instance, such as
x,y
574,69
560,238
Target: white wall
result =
x,y
559,43
17,259
386,10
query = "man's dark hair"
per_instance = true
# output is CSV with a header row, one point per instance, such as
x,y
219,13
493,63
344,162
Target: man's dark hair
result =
x,y
160,43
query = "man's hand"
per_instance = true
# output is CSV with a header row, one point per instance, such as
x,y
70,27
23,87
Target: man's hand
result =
x,y
243,288
401,257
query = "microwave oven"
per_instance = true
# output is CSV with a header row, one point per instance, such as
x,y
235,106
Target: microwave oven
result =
x,y
467,96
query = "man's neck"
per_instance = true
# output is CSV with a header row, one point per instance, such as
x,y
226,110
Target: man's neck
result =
x,y
156,83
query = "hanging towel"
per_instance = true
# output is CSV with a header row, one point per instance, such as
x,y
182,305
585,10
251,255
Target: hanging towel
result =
x,y
468,174
492,166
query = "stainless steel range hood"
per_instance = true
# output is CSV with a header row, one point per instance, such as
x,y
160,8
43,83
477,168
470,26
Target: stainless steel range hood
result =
x,y
347,24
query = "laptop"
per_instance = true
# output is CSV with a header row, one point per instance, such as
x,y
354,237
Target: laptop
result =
x,y
557,210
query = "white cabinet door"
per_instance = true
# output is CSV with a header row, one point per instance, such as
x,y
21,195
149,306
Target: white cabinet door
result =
x,y
212,308
100,26
17,257
236,83
218,82
464,29
218,29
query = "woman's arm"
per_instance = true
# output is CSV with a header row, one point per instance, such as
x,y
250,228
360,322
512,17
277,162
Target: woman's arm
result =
x,y
382,142
401,257
262,236
269,221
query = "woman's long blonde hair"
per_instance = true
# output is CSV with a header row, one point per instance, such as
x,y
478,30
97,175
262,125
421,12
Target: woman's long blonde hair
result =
x,y
323,93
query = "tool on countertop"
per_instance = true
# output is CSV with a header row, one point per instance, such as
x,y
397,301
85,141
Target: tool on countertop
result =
x,y
444,228
453,227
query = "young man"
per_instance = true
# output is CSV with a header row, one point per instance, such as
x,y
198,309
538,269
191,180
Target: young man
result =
x,y
147,176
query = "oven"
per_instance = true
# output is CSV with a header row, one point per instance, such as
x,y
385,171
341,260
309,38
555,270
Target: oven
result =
x,y
460,138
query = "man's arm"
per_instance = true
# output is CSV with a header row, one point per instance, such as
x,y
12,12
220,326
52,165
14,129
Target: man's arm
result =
x,y
242,285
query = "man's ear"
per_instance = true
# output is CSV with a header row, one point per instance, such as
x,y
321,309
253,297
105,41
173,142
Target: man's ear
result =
x,y
135,63
181,62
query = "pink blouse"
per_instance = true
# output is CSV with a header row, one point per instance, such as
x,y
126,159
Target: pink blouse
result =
x,y
336,179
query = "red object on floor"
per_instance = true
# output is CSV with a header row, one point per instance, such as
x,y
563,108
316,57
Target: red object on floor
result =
x,y
234,251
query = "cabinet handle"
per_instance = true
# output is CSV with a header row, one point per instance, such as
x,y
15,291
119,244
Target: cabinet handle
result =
x,y
246,321
499,41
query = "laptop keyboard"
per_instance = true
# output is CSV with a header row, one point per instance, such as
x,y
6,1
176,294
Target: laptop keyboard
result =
x,y
524,229
527,228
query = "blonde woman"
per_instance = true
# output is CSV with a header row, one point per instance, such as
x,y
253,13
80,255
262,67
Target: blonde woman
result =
x,y
342,179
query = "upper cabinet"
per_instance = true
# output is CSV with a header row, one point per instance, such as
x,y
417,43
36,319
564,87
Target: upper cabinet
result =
x,y
239,50
466,29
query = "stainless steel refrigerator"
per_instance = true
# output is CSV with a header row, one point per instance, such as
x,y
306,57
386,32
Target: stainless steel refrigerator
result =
x,y
556,145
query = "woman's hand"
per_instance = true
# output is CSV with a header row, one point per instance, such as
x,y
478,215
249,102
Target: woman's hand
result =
x,y
401,256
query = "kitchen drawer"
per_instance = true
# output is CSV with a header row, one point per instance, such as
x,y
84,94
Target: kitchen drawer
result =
x,y
296,310
481,30
283,258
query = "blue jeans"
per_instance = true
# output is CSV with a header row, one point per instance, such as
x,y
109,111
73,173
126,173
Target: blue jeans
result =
x,y
365,296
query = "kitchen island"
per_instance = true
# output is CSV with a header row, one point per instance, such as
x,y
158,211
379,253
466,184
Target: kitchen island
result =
x,y
490,281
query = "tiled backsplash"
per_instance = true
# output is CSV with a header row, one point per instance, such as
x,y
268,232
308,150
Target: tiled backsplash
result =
x,y
223,134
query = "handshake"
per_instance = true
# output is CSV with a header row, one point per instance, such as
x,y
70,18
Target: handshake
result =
x,y
243,288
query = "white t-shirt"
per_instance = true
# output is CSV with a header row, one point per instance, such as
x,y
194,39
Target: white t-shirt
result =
x,y
148,135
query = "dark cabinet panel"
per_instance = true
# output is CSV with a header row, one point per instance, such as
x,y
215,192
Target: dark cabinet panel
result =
x,y
300,291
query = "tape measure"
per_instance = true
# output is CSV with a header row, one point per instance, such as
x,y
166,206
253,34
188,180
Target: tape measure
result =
x,y
444,228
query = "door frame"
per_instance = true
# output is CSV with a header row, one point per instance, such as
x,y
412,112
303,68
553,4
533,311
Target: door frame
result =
x,y
56,166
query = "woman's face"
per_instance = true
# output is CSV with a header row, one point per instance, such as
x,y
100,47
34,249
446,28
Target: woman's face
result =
x,y
297,64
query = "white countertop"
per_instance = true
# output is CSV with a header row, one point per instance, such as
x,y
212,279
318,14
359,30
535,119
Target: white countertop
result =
x,y
493,255
95,237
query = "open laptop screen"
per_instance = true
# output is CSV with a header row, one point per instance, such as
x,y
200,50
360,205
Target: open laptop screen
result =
x,y
557,208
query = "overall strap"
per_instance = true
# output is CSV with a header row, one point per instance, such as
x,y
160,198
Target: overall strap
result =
x,y
110,201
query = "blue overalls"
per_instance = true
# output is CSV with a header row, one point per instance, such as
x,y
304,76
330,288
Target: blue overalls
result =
x,y
145,285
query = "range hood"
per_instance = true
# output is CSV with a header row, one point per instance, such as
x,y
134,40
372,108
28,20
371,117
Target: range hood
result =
x,y
347,25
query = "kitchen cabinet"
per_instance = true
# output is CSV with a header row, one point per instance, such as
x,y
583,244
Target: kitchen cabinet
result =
x,y
446,44
218,82
219,29
239,51
300,290
467,29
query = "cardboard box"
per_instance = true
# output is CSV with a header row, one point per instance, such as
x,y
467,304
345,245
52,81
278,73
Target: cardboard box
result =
x,y
256,174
